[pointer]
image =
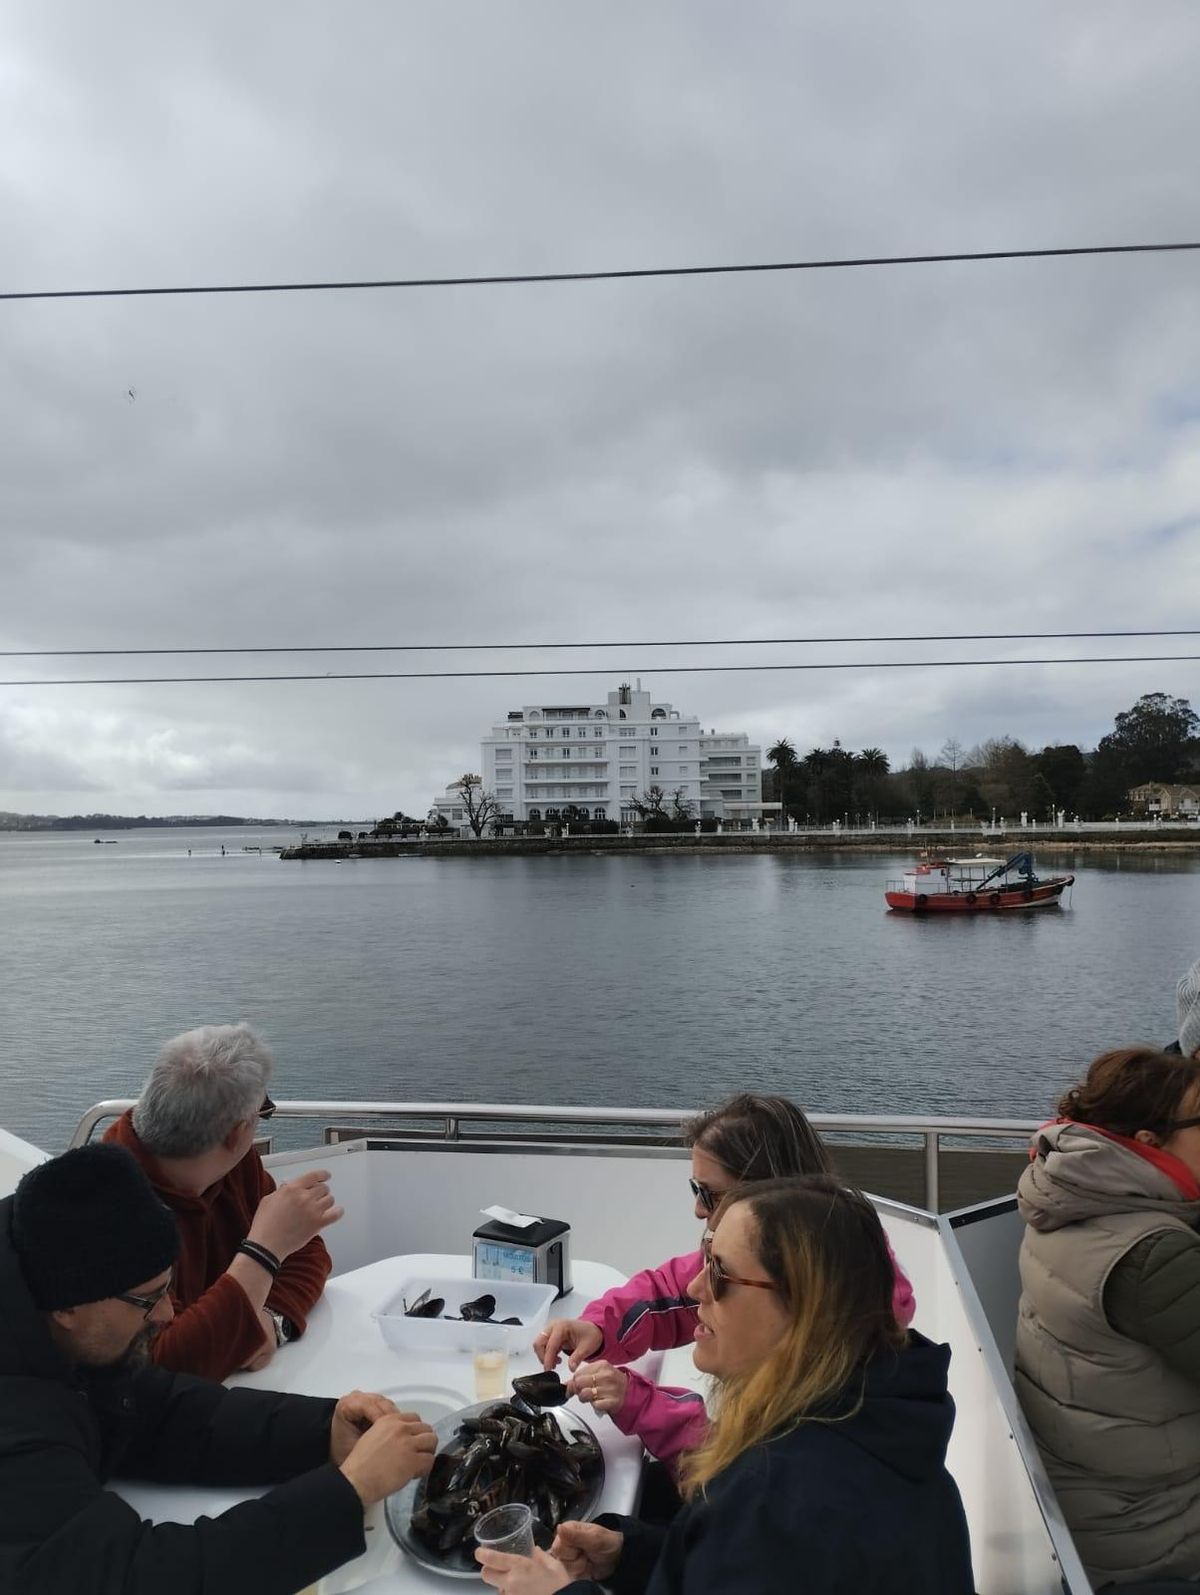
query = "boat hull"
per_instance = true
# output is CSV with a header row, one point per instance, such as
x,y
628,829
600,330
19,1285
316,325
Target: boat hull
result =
x,y
1044,895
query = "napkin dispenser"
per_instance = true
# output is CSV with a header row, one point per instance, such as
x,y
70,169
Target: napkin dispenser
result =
x,y
535,1251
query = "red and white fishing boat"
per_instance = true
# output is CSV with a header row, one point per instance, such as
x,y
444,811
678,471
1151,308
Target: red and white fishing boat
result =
x,y
974,886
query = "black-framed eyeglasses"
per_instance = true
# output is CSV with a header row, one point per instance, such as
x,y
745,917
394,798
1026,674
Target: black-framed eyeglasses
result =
x,y
148,1303
719,1281
1170,1127
267,1109
708,1199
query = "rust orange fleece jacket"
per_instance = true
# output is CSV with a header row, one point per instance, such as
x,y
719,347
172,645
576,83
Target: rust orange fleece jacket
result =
x,y
216,1329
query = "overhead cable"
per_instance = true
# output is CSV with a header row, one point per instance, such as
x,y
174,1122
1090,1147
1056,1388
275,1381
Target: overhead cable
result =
x,y
554,647
599,670
502,279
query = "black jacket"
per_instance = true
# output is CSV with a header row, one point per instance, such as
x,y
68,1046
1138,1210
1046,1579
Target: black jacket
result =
x,y
860,1506
63,1432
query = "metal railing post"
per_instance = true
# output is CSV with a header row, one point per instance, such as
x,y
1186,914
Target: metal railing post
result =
x,y
932,1140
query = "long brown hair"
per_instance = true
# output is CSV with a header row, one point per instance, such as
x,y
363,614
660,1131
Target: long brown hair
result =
x,y
822,1244
759,1138
1132,1089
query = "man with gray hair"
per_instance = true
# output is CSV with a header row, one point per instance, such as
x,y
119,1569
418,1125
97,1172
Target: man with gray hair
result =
x,y
251,1261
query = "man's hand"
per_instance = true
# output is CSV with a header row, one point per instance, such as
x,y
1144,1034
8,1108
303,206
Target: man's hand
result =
x,y
290,1216
579,1336
601,1386
269,1346
396,1448
588,1550
353,1416
539,1574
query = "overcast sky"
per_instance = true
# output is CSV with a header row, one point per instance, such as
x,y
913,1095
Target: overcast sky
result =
x,y
1004,447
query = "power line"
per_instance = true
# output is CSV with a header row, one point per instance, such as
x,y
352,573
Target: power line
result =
x,y
517,278
554,647
646,670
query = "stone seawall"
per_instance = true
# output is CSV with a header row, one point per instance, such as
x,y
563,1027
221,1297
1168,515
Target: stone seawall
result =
x,y
1047,844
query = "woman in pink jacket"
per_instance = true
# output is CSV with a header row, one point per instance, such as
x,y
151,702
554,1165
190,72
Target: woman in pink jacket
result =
x,y
750,1138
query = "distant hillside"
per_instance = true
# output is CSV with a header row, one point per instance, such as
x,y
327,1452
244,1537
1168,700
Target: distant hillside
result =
x,y
129,822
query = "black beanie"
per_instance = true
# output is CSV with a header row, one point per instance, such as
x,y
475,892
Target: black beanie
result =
x,y
87,1225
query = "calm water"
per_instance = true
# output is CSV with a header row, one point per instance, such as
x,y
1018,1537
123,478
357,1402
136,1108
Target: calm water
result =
x,y
652,981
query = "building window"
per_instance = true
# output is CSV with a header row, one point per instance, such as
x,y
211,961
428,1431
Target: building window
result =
x,y
533,753
653,731
582,732
654,769
601,714
535,814
532,732
598,814
566,731
598,732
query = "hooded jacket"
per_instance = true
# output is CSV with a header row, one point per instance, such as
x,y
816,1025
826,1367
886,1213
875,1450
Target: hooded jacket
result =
x,y
64,1431
653,1312
1117,1424
216,1329
861,1505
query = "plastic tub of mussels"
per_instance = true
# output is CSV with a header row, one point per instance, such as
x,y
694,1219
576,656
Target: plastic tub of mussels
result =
x,y
463,1314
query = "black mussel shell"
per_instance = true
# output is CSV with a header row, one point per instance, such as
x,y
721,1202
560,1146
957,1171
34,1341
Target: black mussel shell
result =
x,y
541,1389
510,1320
478,1311
427,1309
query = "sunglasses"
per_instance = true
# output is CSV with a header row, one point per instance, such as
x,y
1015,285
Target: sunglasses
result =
x,y
719,1281
148,1303
267,1109
708,1199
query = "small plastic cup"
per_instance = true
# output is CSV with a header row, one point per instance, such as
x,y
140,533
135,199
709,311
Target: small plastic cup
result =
x,y
508,1529
491,1375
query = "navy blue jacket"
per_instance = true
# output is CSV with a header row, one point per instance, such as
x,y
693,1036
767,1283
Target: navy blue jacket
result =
x,y
63,1433
859,1506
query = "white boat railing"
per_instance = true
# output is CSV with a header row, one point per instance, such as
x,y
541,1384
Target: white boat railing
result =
x,y
500,1122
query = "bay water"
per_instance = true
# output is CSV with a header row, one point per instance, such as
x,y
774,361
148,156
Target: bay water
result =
x,y
661,980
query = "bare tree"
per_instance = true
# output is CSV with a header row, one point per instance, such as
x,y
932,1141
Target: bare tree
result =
x,y
652,805
682,808
481,806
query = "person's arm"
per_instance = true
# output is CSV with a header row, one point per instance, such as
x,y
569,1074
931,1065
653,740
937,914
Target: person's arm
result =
x,y
651,1312
299,1283
1153,1296
222,1330
667,1421
62,1533
193,1431
904,1301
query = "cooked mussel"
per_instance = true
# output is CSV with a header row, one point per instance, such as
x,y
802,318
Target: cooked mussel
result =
x,y
425,1306
541,1389
479,1311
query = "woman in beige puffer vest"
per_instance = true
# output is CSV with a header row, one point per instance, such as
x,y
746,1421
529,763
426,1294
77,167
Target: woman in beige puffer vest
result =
x,y
1108,1338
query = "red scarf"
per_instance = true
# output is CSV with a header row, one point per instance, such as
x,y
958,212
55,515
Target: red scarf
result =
x,y
1165,1162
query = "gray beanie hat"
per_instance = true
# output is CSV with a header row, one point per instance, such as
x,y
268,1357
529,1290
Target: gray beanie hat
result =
x,y
1187,1011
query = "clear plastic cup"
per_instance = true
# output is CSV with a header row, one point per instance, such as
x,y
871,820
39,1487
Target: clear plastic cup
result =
x,y
491,1375
508,1529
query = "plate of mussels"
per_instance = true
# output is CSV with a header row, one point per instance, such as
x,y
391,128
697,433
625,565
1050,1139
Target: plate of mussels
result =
x,y
525,1448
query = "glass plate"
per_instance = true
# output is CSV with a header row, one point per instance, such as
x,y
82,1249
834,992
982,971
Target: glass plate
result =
x,y
460,1562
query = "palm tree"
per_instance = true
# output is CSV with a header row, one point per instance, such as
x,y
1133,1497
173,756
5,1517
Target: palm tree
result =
x,y
782,758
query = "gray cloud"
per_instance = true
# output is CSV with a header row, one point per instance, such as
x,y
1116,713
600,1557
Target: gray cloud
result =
x,y
958,448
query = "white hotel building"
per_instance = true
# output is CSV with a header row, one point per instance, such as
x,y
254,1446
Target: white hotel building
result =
x,y
547,757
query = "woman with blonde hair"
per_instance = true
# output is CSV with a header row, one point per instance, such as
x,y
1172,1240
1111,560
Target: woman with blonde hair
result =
x,y
748,1139
824,1469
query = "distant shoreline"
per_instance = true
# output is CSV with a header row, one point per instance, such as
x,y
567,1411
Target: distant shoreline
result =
x,y
1140,840
50,824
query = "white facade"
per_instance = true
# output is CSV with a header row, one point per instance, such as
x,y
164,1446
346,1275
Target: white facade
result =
x,y
545,758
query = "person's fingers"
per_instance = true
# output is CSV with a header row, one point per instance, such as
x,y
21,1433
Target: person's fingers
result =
x,y
426,1441
555,1336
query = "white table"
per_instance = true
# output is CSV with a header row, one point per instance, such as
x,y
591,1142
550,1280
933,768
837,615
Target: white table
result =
x,y
341,1349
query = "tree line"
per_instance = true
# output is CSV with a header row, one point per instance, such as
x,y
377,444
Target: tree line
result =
x,y
1155,740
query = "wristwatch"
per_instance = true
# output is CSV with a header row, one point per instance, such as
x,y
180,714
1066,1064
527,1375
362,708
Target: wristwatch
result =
x,y
285,1329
